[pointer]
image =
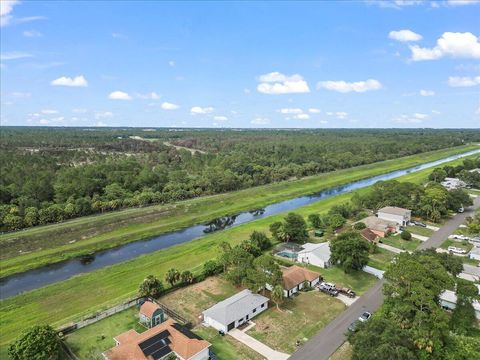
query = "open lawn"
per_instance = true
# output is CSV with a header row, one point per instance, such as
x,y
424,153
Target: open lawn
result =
x,y
457,243
31,248
420,230
190,301
299,318
344,352
90,341
71,299
226,347
381,259
399,243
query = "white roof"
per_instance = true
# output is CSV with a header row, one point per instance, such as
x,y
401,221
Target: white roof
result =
x,y
395,210
451,297
322,250
235,307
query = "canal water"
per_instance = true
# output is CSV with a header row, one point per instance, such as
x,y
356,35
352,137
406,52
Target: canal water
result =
x,y
50,274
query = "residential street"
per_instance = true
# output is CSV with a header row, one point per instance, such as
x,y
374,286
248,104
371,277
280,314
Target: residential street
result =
x,y
326,342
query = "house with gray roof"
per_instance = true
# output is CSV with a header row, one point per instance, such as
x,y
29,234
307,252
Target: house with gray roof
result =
x,y
235,311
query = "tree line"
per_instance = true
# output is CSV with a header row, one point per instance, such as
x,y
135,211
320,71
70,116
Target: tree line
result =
x,y
50,175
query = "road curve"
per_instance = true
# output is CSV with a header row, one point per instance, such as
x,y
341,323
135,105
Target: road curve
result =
x,y
327,341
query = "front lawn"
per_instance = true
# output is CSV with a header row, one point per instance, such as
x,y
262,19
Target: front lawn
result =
x,y
381,259
89,342
299,318
420,230
226,347
399,243
457,243
344,352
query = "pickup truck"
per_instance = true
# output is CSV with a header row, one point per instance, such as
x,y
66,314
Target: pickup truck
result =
x,y
456,250
328,288
348,292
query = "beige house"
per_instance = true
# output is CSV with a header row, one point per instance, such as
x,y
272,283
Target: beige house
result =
x,y
395,214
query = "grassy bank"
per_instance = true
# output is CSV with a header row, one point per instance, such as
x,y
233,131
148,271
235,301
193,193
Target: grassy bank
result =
x,y
69,300
35,247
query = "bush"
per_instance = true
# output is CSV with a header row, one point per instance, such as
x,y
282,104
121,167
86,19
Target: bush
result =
x,y
359,226
211,267
406,235
38,342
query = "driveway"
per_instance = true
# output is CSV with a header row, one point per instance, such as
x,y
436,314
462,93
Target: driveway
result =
x,y
419,237
257,346
326,342
390,248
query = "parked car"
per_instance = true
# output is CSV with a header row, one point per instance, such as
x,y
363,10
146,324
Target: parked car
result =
x,y
328,288
460,237
346,291
461,210
418,223
353,326
456,250
365,316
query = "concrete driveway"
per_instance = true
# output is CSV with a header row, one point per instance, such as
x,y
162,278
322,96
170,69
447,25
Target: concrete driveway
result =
x,y
390,248
257,346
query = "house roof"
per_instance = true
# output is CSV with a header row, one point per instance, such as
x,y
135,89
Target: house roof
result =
x,y
395,210
451,297
369,235
375,223
169,335
235,307
295,275
322,250
148,308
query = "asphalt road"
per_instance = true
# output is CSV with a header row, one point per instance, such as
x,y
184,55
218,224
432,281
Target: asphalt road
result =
x,y
327,341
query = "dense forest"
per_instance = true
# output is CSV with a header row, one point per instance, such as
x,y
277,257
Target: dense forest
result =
x,y
53,174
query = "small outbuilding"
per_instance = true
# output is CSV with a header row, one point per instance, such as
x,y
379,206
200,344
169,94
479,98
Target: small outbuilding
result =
x,y
151,314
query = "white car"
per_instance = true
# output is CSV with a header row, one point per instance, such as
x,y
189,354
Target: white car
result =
x,y
365,316
456,250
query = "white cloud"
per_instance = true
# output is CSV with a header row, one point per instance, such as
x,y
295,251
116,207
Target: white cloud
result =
x,y
32,33
394,4
220,118
77,81
427,92
171,63
79,111
119,95
21,95
44,121
6,7
260,121
290,111
246,91
314,111
150,96
345,87
49,111
436,112
404,35
302,116
103,115
117,35
410,119
462,2
100,124
456,45
420,116
341,115
14,55
275,83
463,81
197,110
169,106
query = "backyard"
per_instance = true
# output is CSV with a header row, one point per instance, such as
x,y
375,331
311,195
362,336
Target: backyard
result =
x,y
381,259
299,318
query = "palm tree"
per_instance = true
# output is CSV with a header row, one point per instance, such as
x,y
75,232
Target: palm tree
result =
x,y
277,295
187,277
172,276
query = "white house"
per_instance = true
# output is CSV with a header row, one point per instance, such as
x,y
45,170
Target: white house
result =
x,y
315,254
295,278
474,253
448,300
235,311
453,183
396,214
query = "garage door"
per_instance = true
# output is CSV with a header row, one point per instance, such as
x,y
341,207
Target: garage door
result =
x,y
231,326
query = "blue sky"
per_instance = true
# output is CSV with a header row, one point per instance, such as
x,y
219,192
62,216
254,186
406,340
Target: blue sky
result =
x,y
241,64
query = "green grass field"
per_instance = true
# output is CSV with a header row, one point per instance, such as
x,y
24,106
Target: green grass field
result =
x,y
299,318
459,244
399,243
381,259
421,230
32,248
69,300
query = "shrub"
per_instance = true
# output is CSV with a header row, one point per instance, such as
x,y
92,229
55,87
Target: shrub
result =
x,y
406,235
359,226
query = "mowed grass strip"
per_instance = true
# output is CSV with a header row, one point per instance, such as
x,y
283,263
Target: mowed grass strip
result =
x,y
69,300
35,247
